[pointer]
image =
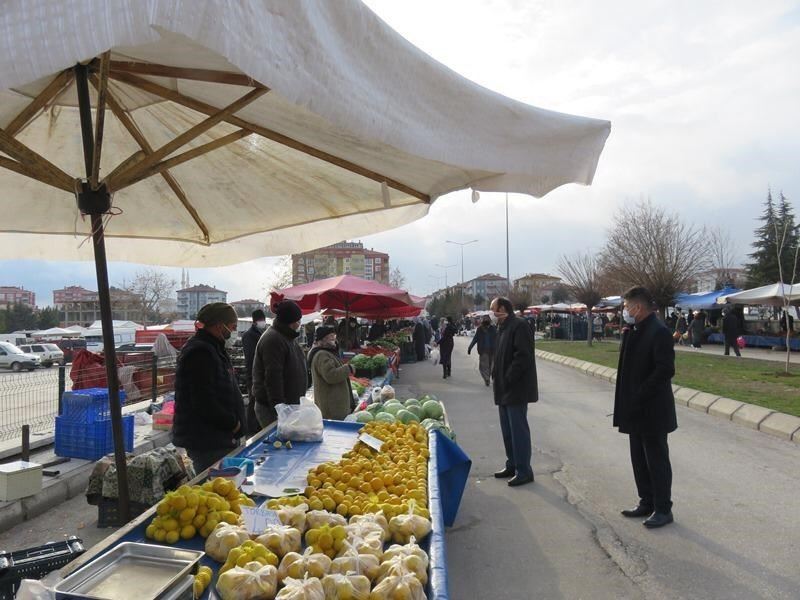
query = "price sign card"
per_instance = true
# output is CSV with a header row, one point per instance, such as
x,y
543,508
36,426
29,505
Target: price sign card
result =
x,y
371,441
256,520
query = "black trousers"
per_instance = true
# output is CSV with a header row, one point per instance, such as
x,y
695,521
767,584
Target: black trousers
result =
x,y
731,344
516,438
202,459
652,470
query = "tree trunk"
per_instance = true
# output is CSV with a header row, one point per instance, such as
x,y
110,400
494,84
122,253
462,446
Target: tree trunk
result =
x,y
590,328
788,334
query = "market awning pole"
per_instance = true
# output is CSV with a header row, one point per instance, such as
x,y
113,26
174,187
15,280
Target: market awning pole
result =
x,y
97,202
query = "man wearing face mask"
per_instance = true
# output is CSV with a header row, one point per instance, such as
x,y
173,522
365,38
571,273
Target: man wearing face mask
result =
x,y
209,412
331,378
279,366
249,341
644,406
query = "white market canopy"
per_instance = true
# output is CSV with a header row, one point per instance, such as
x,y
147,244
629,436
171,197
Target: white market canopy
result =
x,y
56,332
236,130
768,295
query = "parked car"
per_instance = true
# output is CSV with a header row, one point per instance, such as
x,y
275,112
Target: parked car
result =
x,y
70,347
15,359
49,354
134,347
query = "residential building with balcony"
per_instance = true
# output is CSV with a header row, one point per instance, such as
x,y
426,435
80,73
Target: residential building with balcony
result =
x,y
192,299
344,258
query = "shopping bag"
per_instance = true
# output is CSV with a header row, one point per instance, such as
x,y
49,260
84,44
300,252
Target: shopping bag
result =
x,y
741,342
300,422
435,356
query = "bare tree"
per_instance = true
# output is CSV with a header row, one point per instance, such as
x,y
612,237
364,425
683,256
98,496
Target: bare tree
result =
x,y
281,274
520,298
151,287
397,279
656,249
722,254
783,238
583,275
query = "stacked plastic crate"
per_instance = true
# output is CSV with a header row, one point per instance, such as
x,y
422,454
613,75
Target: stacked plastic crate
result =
x,y
83,430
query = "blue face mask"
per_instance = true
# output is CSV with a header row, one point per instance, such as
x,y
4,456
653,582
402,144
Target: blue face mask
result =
x,y
629,319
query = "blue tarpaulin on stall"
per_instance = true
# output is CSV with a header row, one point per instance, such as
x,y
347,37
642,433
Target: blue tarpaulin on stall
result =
x,y
453,469
703,300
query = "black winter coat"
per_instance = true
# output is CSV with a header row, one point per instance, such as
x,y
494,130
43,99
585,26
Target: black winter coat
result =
x,y
643,400
730,327
514,369
249,342
208,403
485,338
280,375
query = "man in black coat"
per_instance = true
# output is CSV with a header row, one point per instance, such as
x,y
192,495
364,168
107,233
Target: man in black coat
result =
x,y
209,412
644,406
515,385
730,330
249,341
280,375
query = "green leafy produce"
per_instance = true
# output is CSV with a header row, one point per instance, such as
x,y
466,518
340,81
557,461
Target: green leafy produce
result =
x,y
379,361
392,408
385,416
360,361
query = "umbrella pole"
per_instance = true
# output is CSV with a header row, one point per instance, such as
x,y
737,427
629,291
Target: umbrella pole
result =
x,y
96,202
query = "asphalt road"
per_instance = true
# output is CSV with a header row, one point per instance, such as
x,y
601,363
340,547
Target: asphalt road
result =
x,y
737,507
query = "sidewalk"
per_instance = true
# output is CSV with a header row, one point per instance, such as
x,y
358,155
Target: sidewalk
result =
x,y
756,353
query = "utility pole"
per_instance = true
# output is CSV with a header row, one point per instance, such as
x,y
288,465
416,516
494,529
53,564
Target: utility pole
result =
x,y
445,267
508,261
462,244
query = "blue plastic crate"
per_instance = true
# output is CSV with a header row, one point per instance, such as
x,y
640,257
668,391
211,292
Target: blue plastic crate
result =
x,y
90,441
87,406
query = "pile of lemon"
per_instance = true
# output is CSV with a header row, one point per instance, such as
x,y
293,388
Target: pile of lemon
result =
x,y
190,510
326,540
393,480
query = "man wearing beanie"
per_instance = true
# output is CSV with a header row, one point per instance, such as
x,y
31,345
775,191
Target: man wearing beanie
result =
x,y
209,412
332,392
279,367
249,341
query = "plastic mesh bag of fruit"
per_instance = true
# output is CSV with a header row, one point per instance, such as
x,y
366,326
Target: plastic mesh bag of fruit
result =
x,y
372,544
317,518
410,549
253,581
404,527
366,529
297,566
376,518
350,561
293,516
281,539
400,565
404,586
346,587
308,588
223,538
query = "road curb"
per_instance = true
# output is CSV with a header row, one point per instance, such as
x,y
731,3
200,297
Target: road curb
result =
x,y
756,417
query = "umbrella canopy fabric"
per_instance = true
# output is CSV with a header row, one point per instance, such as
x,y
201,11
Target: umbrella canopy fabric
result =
x,y
768,295
703,300
348,294
236,130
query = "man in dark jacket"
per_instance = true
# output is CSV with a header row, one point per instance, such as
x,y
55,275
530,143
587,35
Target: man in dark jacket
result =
x,y
644,406
515,385
485,339
730,330
279,367
249,341
209,412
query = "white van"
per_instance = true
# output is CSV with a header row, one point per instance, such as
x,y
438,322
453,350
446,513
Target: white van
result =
x,y
49,354
94,338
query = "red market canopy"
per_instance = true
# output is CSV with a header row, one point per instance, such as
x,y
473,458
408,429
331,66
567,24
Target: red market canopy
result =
x,y
352,295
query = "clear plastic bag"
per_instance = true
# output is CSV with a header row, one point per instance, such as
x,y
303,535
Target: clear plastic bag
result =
x,y
309,588
410,549
350,561
366,529
346,587
300,422
223,539
400,565
435,356
281,539
399,586
409,526
376,518
372,544
297,566
251,582
317,518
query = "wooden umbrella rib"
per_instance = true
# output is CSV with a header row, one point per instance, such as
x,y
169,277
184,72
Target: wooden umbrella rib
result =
x,y
57,85
100,118
42,177
34,162
208,75
202,107
130,125
220,115
187,156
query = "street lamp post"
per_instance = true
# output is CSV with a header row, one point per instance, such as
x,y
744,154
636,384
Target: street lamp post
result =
x,y
508,261
445,267
462,244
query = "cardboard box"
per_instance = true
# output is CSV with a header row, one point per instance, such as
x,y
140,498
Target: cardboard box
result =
x,y
19,479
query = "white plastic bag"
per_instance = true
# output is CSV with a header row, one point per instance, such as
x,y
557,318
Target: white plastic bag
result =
x,y
251,582
435,356
300,422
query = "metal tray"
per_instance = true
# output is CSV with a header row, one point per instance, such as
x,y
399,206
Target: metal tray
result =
x,y
131,570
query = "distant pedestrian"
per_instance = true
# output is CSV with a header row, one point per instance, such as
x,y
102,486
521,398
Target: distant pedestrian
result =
x,y
446,344
418,339
249,341
485,338
730,331
681,328
644,407
515,386
697,329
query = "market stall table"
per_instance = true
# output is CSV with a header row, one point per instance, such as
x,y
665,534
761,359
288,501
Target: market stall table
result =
x,y
447,472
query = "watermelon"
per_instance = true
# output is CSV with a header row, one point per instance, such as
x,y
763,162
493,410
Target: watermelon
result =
x,y
429,422
412,402
432,409
362,416
417,410
385,417
374,408
406,416
428,397
392,408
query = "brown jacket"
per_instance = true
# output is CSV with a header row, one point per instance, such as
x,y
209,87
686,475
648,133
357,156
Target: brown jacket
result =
x,y
331,384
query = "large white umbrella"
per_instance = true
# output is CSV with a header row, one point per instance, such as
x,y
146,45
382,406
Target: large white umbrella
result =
x,y
207,133
768,295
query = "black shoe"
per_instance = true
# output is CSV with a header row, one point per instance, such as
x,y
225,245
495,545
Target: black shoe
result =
x,y
640,511
517,480
658,519
504,473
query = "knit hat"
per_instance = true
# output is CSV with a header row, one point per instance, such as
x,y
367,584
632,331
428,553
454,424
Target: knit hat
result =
x,y
323,332
216,312
287,311
258,315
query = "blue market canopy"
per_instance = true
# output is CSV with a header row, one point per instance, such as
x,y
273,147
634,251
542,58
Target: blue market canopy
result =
x,y
703,300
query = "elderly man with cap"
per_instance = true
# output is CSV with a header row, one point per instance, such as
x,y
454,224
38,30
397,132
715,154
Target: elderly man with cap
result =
x,y
279,368
209,412
332,392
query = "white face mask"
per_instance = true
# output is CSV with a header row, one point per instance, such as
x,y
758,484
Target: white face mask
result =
x,y
493,318
261,324
628,317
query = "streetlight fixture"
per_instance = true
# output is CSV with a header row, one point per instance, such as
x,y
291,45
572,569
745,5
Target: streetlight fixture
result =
x,y
436,278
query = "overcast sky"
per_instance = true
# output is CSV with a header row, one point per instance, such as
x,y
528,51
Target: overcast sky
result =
x,y
703,99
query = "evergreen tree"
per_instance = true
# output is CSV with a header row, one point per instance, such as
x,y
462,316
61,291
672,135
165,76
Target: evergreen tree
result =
x,y
48,317
787,239
763,267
